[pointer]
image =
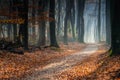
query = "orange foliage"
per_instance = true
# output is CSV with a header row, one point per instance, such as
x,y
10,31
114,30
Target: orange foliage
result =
x,y
97,67
14,65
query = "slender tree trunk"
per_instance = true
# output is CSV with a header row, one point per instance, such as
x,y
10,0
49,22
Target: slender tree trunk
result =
x,y
9,27
53,41
23,31
15,31
99,20
108,23
42,27
33,16
67,17
66,30
42,38
14,25
80,21
72,17
25,38
59,9
72,26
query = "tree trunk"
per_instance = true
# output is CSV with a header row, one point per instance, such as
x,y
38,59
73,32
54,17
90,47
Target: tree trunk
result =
x,y
14,25
80,21
66,30
99,20
53,41
33,16
23,31
115,26
72,18
42,38
108,23
15,31
42,27
59,9
67,17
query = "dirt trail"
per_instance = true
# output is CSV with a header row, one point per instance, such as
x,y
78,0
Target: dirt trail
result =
x,y
56,66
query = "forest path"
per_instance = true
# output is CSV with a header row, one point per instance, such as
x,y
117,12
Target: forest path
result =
x,y
56,66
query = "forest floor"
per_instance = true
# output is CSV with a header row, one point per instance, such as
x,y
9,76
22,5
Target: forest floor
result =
x,y
14,66
98,66
68,63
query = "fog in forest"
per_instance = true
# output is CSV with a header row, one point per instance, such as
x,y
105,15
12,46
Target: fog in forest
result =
x,y
81,21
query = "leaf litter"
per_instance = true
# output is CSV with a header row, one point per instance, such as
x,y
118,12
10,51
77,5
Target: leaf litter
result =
x,y
99,66
14,65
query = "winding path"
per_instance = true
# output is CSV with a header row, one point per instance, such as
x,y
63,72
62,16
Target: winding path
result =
x,y
58,65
